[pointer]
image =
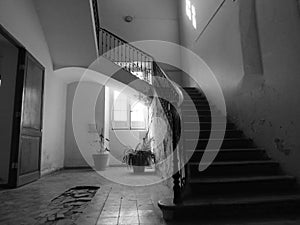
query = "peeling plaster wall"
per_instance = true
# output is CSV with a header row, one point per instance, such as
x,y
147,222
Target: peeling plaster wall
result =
x,y
267,107
264,102
21,20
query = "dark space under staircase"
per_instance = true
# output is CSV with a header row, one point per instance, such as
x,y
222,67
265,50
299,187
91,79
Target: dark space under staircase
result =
x,y
241,182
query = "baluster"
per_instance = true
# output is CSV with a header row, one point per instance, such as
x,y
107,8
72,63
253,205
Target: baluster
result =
x,y
128,55
120,52
139,62
107,46
100,42
134,60
147,69
131,59
110,48
104,44
176,177
116,53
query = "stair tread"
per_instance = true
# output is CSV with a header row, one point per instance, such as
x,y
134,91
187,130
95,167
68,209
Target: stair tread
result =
x,y
228,150
229,163
240,179
224,139
232,200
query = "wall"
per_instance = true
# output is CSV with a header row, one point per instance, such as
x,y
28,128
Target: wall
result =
x,y
8,69
153,20
263,102
73,155
21,20
219,46
273,99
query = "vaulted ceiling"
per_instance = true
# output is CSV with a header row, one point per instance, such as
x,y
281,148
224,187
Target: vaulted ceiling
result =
x,y
69,31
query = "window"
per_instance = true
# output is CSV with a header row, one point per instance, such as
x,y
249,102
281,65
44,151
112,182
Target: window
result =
x,y
128,114
120,111
191,13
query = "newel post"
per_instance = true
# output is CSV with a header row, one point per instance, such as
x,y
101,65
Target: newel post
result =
x,y
176,134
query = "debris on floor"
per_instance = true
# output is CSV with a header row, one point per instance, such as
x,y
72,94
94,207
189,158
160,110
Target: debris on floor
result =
x,y
67,207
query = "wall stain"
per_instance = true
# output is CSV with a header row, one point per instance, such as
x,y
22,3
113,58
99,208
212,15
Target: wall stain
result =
x,y
279,144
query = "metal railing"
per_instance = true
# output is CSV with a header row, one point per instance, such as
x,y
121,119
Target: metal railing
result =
x,y
125,55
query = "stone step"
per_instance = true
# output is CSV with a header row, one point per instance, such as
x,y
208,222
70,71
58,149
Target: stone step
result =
x,y
242,185
227,143
257,206
229,155
207,126
198,118
205,134
235,169
205,112
195,108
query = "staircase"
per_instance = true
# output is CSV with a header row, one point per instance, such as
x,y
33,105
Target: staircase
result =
x,y
242,180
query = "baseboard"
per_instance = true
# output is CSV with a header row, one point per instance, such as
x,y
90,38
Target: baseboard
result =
x,y
50,171
118,165
77,168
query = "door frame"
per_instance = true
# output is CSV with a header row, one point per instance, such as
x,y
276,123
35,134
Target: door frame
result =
x,y
23,54
20,91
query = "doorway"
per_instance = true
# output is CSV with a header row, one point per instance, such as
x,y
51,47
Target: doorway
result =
x,y
21,94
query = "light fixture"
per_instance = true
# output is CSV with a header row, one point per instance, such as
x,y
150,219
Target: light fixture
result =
x,y
128,19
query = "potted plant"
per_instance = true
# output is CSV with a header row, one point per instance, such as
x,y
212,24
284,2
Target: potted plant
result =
x,y
140,156
102,156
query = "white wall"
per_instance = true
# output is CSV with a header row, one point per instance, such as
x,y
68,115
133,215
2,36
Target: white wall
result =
x,y
219,46
153,20
265,105
21,20
73,156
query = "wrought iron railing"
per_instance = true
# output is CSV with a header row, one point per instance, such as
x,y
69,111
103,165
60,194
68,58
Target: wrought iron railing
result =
x,y
125,55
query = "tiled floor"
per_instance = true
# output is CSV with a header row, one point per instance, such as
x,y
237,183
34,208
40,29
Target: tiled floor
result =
x,y
113,204
116,203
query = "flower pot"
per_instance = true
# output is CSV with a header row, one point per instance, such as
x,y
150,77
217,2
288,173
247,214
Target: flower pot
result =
x,y
138,169
100,161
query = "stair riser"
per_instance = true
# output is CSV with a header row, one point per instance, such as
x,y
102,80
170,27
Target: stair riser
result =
x,y
207,134
230,156
227,144
199,113
256,187
204,119
207,126
277,210
196,107
235,170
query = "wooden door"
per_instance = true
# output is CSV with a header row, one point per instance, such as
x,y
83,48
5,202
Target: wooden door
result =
x,y
28,123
